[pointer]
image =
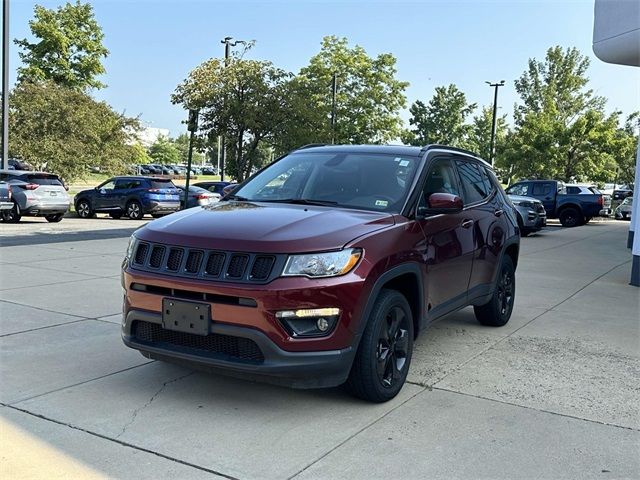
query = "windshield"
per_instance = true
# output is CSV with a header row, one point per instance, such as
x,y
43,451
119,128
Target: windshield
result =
x,y
356,180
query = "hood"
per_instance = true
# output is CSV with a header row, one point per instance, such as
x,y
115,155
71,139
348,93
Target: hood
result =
x,y
261,227
520,198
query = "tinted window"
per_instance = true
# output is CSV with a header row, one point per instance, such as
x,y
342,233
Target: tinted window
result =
x,y
542,189
125,184
473,183
42,179
160,183
573,190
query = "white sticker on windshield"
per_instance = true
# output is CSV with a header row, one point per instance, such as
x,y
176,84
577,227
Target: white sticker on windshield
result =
x,y
404,163
381,203
397,159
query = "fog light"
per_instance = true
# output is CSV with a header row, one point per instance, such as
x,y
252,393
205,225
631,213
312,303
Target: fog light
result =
x,y
312,322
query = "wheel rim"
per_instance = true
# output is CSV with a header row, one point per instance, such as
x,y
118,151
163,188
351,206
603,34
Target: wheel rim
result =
x,y
393,347
570,219
83,209
134,210
505,292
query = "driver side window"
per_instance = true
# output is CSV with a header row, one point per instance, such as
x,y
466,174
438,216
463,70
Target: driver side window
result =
x,y
107,186
440,179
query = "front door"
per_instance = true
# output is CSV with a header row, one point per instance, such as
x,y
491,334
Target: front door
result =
x,y
448,255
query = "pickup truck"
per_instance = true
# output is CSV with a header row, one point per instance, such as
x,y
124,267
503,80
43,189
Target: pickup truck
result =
x,y
572,210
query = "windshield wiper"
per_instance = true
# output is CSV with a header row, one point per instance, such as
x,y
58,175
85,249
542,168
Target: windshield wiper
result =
x,y
303,201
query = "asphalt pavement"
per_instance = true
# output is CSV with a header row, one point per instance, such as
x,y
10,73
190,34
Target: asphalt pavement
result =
x,y
553,394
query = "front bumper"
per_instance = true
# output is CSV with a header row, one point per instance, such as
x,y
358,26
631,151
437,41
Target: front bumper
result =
x,y
532,220
6,205
295,369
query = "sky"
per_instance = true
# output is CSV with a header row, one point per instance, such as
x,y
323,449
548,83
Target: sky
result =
x,y
154,44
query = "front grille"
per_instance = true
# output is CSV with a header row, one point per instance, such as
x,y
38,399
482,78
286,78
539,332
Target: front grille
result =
x,y
237,266
214,344
262,267
141,253
157,254
540,208
208,264
175,258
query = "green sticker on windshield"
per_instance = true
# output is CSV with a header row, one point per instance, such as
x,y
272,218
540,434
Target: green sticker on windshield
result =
x,y
381,203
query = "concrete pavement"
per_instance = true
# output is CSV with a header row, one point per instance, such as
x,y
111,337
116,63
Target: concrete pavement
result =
x,y
554,394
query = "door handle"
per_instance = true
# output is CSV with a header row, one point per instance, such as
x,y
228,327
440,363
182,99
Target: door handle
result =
x,y
498,212
467,223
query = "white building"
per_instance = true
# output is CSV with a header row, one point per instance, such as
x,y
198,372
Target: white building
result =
x,y
147,136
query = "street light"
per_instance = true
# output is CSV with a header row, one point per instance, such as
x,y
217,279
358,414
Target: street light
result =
x,y
228,43
492,151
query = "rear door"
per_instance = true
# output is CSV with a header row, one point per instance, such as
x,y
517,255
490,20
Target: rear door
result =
x,y
449,246
546,193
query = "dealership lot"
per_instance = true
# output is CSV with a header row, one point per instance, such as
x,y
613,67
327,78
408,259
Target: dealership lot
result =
x,y
554,394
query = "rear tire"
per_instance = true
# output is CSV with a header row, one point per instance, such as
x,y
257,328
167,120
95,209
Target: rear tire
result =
x,y
134,210
13,215
54,217
570,217
497,311
384,354
83,209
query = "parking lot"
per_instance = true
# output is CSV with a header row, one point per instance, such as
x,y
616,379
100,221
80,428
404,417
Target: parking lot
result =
x,y
553,394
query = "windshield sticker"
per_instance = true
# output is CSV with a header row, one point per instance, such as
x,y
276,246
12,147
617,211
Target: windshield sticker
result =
x,y
397,159
381,203
404,163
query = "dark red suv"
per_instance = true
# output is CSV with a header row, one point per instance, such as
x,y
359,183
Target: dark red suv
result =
x,y
321,268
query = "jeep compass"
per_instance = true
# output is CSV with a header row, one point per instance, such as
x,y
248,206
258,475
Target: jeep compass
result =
x,y
321,268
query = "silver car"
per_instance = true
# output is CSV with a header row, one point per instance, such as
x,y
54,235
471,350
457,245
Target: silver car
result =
x,y
35,194
531,214
623,211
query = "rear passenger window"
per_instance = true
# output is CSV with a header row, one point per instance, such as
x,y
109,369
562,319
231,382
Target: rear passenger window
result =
x,y
475,183
540,189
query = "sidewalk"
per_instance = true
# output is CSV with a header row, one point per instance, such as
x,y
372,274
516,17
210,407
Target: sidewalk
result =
x,y
554,394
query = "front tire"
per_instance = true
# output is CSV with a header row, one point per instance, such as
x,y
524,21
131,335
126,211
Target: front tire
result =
x,y
384,354
497,311
83,209
570,217
134,210
54,217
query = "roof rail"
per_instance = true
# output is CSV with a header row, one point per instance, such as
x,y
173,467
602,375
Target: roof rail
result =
x,y
311,145
449,147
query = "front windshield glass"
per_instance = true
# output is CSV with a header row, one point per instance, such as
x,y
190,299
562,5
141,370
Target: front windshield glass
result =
x,y
356,180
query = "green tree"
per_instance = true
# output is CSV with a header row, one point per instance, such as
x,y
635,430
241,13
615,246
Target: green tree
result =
x,y
561,129
66,131
478,138
442,120
164,151
140,155
182,144
68,49
246,102
369,97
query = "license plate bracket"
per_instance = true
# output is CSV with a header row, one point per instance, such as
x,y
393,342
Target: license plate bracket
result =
x,y
187,317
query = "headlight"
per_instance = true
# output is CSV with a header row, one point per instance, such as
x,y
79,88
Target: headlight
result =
x,y
326,264
524,203
131,247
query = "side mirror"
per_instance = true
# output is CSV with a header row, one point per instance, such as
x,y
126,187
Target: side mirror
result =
x,y
440,203
103,191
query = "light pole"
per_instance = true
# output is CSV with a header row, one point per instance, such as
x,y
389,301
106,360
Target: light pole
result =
x,y
492,151
228,43
4,161
334,94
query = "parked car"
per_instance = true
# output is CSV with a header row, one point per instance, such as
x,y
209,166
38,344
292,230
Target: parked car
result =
x,y
531,214
589,190
14,164
572,210
215,187
198,197
325,277
622,193
208,170
35,194
133,196
154,169
623,211
5,196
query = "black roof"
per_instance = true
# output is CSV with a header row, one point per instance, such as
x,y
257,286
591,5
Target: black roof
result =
x,y
405,150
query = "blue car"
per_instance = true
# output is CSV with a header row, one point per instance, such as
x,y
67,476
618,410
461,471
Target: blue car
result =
x,y
130,196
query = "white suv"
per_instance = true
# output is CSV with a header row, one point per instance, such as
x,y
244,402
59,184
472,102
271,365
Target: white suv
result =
x,y
35,194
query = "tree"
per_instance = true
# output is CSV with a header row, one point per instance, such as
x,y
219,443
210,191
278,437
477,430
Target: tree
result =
x,y
182,144
164,151
561,129
68,50
66,131
246,102
478,138
369,97
442,120
140,156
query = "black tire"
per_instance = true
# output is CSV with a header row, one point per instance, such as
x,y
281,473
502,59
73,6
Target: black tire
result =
x,y
13,215
158,215
586,220
384,354
116,215
497,311
84,209
570,217
134,210
523,231
54,217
